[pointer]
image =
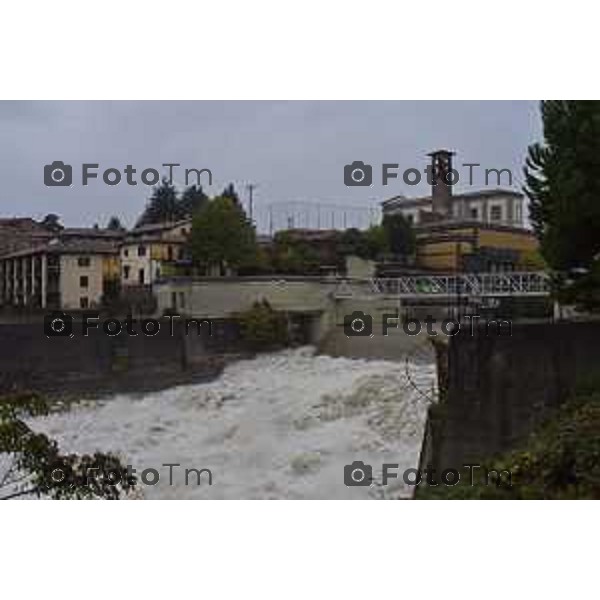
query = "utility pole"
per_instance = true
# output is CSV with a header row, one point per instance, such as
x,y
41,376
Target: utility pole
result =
x,y
251,187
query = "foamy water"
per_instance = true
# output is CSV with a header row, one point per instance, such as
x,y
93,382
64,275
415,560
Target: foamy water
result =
x,y
279,426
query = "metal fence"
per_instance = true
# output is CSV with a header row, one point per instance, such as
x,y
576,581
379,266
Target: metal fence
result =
x,y
517,284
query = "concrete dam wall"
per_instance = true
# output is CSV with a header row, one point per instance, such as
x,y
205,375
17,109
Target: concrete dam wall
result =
x,y
314,298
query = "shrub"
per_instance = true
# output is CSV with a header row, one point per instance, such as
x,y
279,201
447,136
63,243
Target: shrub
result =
x,y
560,461
263,328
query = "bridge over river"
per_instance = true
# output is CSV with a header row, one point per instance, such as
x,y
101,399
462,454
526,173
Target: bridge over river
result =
x,y
449,287
224,296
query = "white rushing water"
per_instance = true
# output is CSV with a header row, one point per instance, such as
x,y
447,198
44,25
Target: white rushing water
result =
x,y
281,425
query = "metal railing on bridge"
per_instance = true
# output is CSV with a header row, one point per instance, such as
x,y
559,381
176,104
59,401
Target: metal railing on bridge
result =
x,y
496,284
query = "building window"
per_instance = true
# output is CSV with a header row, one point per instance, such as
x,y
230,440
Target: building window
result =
x,y
84,302
83,281
496,213
125,252
83,261
141,250
518,213
169,252
141,276
474,214
182,299
126,269
173,300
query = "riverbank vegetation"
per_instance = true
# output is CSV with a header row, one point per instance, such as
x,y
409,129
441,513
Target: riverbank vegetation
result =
x,y
560,461
262,328
31,463
563,189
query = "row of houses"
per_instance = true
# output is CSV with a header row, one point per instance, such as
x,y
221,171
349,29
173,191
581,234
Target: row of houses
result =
x,y
43,266
73,268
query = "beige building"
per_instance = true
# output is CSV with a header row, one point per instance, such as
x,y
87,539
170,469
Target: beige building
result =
x,y
150,252
71,270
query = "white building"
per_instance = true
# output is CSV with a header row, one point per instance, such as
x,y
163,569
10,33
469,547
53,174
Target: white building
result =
x,y
496,206
148,252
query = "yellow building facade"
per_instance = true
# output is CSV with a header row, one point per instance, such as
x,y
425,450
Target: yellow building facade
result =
x,y
455,246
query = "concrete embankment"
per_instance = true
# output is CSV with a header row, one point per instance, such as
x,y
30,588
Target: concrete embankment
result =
x,y
500,388
99,364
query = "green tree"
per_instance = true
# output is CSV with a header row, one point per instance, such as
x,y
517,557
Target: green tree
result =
x,y
584,290
263,328
377,240
222,235
163,205
52,222
297,257
353,241
114,224
32,464
563,186
229,192
400,234
367,244
192,200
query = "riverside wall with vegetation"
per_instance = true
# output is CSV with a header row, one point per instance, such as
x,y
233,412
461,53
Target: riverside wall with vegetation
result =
x,y
501,389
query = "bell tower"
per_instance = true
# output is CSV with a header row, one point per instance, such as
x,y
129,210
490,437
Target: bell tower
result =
x,y
441,190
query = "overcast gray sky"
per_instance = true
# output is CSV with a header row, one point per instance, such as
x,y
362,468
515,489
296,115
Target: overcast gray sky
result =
x,y
294,151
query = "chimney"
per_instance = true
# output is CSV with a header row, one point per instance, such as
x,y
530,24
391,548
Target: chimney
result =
x,y
441,191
